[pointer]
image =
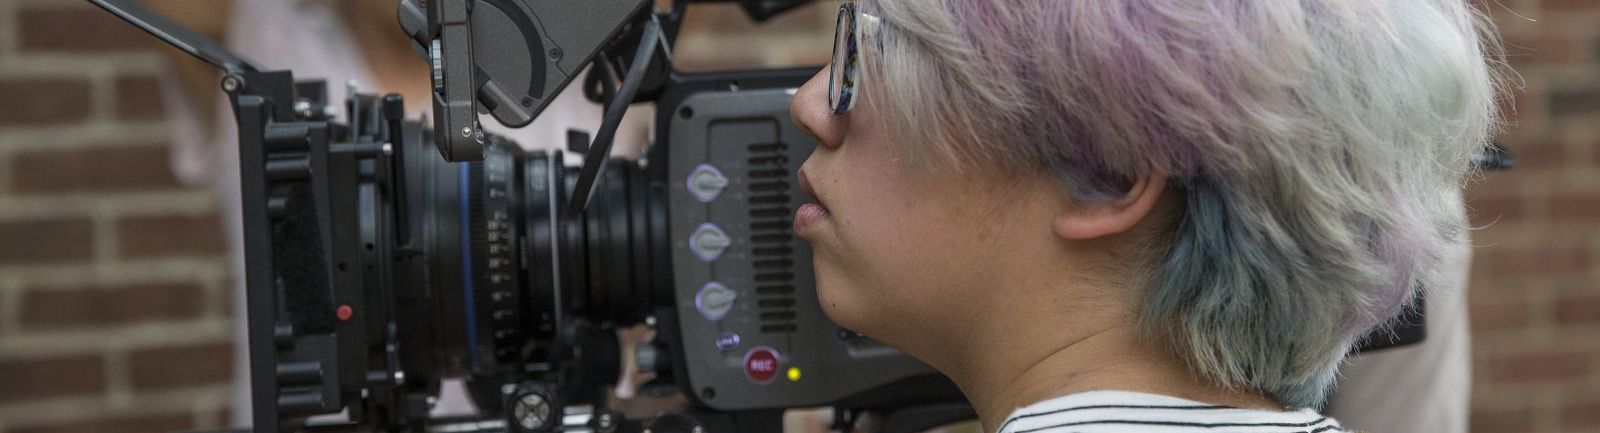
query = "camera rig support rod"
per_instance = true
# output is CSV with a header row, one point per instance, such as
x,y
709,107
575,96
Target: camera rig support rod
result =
x,y
176,35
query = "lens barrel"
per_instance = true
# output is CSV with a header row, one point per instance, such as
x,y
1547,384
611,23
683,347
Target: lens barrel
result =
x,y
511,269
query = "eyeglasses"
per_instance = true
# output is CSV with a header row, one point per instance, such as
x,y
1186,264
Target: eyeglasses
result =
x,y
849,31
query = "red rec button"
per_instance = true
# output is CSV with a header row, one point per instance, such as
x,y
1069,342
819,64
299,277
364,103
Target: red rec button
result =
x,y
761,364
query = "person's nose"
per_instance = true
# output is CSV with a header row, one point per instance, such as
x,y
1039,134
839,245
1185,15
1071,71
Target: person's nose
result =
x,y
812,114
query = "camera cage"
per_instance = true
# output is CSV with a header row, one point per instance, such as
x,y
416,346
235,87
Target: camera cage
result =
x,y
294,220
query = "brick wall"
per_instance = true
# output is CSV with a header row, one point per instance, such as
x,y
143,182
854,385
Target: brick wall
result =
x,y
113,309
114,286
1535,291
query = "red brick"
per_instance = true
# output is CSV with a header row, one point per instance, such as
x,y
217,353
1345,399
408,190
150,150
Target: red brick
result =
x,y
1491,315
148,236
1576,416
1542,50
182,366
1487,210
1564,102
1485,420
1578,308
139,98
1503,261
155,423
44,101
1594,159
1540,367
78,29
221,418
46,241
109,169
1575,207
1541,156
117,305
1569,5
50,377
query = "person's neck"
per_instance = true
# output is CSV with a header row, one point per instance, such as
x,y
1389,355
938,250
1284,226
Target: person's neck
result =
x,y
1036,360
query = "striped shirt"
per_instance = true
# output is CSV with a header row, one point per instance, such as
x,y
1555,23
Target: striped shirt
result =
x,y
1133,412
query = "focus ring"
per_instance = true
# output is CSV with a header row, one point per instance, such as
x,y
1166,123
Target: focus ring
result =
x,y
495,268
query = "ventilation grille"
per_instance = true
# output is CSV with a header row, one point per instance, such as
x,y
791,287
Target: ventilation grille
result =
x,y
771,243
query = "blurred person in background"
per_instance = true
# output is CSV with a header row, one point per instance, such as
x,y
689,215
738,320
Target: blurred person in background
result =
x,y
1143,215
1425,387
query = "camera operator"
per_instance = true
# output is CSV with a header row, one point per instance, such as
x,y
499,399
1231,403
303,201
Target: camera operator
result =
x,y
1141,215
1224,211
336,41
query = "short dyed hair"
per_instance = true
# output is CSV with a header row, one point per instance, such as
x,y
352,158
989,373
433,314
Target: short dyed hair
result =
x,y
1320,147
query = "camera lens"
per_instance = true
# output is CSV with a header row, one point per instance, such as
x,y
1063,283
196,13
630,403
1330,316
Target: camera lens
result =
x,y
507,259
490,261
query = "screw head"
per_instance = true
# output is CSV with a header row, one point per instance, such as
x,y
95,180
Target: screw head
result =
x,y
532,412
466,131
232,82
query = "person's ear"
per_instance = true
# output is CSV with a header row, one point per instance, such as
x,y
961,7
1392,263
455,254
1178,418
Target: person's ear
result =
x,y
1083,221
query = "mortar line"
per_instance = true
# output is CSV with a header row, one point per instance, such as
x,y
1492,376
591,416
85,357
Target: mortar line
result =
x,y
67,409
94,340
161,269
5,172
102,94
105,236
216,302
10,306
171,202
9,33
118,389
90,135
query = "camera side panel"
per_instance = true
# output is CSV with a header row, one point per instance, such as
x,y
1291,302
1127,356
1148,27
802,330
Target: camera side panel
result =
x,y
753,333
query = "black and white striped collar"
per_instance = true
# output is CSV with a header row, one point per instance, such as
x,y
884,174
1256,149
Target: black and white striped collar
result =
x,y
1134,412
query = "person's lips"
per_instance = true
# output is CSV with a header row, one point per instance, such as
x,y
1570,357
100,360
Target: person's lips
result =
x,y
809,214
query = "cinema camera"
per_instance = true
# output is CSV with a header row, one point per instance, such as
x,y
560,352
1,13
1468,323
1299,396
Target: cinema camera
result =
x,y
376,269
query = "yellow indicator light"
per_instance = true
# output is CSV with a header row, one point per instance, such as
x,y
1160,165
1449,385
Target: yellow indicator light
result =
x,y
794,374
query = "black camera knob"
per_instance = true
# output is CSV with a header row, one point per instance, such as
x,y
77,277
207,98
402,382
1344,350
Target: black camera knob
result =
x,y
533,408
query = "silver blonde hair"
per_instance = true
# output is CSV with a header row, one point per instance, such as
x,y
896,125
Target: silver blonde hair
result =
x,y
1319,145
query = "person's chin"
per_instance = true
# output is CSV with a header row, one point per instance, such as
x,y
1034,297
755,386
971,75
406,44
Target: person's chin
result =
x,y
837,300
